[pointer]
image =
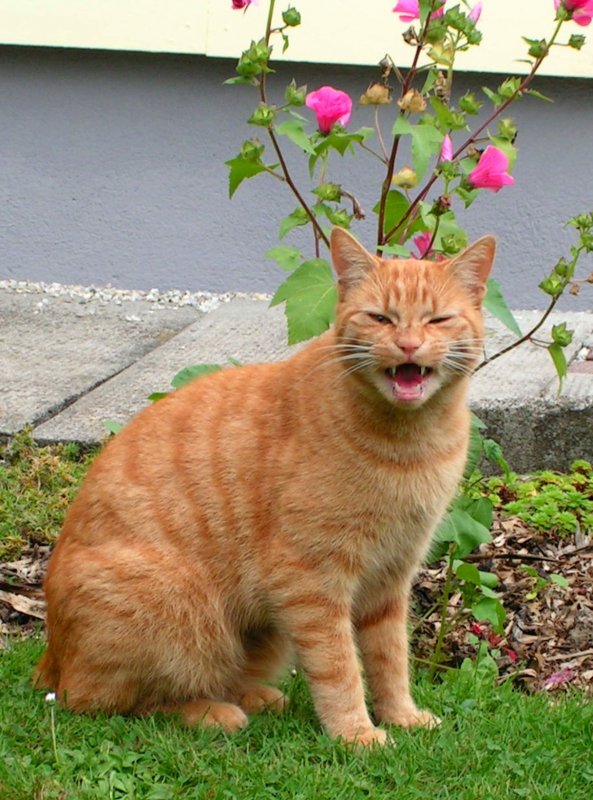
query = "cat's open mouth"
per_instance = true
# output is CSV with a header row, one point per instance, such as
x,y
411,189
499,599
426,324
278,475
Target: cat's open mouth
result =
x,y
408,381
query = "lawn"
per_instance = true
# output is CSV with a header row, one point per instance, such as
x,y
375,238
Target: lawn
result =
x,y
496,741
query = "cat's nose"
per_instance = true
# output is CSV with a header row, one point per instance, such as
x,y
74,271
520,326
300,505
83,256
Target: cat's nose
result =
x,y
409,345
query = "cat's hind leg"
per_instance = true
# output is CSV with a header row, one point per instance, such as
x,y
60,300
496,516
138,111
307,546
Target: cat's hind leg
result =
x,y
208,713
267,655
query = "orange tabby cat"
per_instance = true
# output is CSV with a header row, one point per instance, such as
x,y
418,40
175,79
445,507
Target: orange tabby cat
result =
x,y
276,511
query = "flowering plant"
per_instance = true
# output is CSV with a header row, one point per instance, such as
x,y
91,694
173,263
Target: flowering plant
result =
x,y
451,164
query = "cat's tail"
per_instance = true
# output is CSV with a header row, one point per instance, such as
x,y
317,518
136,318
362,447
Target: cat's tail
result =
x,y
47,672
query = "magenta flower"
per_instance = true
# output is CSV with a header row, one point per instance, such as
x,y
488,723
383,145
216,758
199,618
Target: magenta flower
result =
x,y
238,4
474,14
446,149
582,10
491,171
409,10
331,107
422,244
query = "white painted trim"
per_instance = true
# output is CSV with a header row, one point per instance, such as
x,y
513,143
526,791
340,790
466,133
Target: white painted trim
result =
x,y
333,31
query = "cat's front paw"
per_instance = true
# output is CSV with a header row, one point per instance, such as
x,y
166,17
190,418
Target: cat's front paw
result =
x,y
263,698
412,717
369,737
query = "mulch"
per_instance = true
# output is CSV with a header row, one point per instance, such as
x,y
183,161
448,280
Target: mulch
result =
x,y
547,641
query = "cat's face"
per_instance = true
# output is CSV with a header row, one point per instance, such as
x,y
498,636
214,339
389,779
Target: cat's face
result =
x,y
409,327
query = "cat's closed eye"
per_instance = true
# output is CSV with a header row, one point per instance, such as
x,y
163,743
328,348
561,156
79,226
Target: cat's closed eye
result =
x,y
380,318
439,320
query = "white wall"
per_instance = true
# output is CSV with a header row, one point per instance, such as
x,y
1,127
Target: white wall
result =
x,y
333,31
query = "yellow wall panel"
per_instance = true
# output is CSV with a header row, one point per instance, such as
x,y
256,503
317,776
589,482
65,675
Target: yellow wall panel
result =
x,y
334,31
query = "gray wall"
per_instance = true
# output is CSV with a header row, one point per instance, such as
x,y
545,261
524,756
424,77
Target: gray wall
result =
x,y
112,171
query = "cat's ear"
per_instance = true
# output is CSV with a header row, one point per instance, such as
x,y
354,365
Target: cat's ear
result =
x,y
351,261
472,267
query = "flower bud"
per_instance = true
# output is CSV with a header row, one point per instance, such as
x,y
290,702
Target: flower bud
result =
x,y
589,278
410,36
295,95
576,41
575,289
291,17
329,191
378,94
442,54
406,178
560,334
552,285
254,61
561,268
263,115
507,129
252,149
412,101
442,204
469,103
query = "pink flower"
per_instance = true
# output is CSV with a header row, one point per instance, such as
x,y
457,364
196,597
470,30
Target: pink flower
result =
x,y
331,107
560,678
409,10
422,244
446,149
491,171
474,14
238,4
582,10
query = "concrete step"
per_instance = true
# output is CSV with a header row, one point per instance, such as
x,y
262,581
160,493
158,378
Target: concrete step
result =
x,y
69,366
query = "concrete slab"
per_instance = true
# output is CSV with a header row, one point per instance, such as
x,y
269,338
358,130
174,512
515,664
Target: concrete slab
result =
x,y
517,397
55,349
69,372
245,330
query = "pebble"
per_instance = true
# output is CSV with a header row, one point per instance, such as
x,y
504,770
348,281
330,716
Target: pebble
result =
x,y
171,298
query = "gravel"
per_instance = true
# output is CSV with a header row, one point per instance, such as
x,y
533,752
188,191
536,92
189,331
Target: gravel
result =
x,y
171,298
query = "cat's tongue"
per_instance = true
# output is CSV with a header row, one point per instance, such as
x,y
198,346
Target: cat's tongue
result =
x,y
407,382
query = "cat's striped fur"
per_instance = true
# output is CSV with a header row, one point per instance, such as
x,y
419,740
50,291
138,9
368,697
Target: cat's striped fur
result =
x,y
276,512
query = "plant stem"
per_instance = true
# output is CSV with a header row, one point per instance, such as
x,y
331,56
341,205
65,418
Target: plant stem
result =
x,y
444,627
524,338
319,234
472,138
381,238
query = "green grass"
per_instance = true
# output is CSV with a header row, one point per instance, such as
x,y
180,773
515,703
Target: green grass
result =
x,y
37,485
495,743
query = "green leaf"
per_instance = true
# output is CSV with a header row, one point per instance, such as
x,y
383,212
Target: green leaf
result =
x,y
155,396
398,250
288,258
112,426
474,450
539,95
468,573
298,217
188,374
294,130
493,452
240,169
479,509
426,144
495,303
559,580
396,205
460,528
310,295
495,98
557,354
490,610
401,126
448,120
